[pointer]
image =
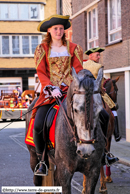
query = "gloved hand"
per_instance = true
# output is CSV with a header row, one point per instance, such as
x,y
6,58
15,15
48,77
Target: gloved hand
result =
x,y
56,93
103,90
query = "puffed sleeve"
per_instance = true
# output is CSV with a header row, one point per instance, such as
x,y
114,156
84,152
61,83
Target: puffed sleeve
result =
x,y
41,66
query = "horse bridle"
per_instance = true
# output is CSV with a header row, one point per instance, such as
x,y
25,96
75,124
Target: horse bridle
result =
x,y
115,89
68,120
113,82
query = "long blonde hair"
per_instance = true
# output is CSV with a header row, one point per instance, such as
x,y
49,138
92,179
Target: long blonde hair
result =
x,y
47,39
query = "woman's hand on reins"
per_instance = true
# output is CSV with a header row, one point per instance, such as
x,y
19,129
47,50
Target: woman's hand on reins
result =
x,y
103,90
56,93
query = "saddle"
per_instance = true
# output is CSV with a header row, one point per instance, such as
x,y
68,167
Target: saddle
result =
x,y
50,116
49,124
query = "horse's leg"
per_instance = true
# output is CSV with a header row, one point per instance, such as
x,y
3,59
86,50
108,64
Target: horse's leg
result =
x,y
49,180
63,178
90,181
84,184
103,188
37,180
108,170
56,181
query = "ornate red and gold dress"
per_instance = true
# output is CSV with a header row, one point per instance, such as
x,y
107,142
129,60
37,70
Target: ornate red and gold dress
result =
x,y
56,71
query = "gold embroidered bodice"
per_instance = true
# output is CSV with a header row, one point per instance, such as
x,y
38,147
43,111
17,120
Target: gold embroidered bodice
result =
x,y
60,70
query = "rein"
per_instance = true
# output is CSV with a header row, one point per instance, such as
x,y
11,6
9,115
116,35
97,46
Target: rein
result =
x,y
115,89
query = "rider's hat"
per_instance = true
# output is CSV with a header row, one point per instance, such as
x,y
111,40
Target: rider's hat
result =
x,y
54,20
93,50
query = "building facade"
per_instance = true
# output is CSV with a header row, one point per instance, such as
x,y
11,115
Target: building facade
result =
x,y
19,38
106,23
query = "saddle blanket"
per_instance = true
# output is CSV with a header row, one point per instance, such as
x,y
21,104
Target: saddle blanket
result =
x,y
29,135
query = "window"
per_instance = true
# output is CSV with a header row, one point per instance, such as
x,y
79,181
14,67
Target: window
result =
x,y
92,26
16,46
33,12
114,20
17,11
5,45
4,12
23,12
13,11
25,44
34,43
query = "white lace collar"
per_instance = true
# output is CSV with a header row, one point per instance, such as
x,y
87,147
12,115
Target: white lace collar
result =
x,y
61,54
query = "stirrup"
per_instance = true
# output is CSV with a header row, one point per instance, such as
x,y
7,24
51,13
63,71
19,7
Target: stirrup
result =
x,y
106,160
110,155
118,138
37,167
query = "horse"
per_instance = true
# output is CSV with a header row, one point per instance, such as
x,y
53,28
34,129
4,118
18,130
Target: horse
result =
x,y
79,142
111,90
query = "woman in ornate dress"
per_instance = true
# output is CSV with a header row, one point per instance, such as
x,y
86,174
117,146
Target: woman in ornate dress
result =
x,y
54,59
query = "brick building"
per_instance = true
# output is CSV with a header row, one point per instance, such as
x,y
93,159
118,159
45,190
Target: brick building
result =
x,y
19,38
106,23
64,8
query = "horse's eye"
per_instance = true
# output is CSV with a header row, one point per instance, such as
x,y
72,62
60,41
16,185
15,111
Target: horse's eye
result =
x,y
75,111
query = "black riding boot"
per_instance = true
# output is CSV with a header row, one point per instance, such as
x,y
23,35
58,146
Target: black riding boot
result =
x,y
104,120
41,168
107,158
116,130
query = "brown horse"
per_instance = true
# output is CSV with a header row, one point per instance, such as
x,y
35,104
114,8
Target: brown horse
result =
x,y
111,90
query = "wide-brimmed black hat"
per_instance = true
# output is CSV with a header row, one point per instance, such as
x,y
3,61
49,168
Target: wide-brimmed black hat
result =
x,y
54,20
93,50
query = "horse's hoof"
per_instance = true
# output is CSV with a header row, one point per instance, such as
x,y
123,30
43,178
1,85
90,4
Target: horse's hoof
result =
x,y
104,191
103,188
83,191
108,179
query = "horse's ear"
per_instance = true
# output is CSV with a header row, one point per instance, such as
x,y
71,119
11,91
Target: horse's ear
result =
x,y
75,77
74,85
117,79
97,82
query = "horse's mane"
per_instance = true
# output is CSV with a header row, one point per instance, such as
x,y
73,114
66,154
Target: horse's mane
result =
x,y
86,81
107,80
88,84
105,85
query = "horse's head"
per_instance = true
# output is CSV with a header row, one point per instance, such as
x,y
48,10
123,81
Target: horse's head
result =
x,y
83,106
111,88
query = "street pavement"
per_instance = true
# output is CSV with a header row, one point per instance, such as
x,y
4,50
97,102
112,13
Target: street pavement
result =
x,y
15,168
121,149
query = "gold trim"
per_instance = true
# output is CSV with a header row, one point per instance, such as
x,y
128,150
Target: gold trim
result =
x,y
70,69
0,114
56,16
108,100
49,52
76,53
38,55
68,49
95,50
